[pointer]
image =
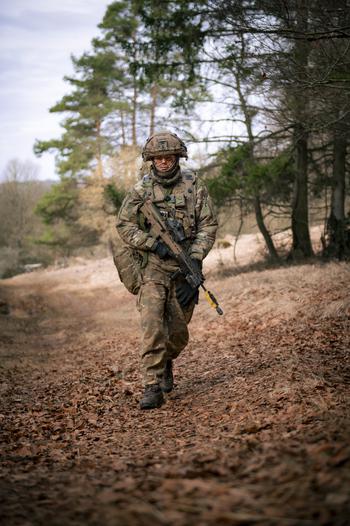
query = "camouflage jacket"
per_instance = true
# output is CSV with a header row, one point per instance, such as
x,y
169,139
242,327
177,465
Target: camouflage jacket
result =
x,y
187,201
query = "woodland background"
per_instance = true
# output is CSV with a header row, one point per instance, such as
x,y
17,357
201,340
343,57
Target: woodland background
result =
x,y
257,428
259,90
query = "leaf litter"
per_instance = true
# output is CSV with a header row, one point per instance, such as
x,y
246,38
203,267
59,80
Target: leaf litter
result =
x,y
256,431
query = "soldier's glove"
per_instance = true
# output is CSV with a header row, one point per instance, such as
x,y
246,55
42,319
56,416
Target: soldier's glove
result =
x,y
161,250
185,293
198,266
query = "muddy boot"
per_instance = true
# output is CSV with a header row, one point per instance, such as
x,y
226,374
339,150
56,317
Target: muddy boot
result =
x,y
167,382
152,398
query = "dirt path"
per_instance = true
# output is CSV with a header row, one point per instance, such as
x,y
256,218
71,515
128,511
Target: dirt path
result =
x,y
257,430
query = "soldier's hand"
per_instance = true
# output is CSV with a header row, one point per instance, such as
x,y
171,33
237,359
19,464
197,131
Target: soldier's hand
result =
x,y
185,293
198,267
161,250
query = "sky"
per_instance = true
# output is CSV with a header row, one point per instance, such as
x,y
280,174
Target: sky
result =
x,y
37,40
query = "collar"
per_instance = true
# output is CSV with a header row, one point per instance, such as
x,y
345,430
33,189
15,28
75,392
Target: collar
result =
x,y
167,179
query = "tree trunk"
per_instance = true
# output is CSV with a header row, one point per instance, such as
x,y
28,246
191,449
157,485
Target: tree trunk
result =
x,y
338,236
300,214
122,126
337,244
154,93
134,97
99,169
133,117
262,227
257,205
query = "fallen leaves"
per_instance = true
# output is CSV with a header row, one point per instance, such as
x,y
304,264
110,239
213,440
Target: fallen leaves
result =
x,y
256,431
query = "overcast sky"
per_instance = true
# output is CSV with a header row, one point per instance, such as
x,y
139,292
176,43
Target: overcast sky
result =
x,y
37,39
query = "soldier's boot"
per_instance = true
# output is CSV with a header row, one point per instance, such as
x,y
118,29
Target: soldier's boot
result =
x,y
152,397
167,382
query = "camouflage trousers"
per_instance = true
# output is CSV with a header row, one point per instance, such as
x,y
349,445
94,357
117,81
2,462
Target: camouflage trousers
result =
x,y
164,327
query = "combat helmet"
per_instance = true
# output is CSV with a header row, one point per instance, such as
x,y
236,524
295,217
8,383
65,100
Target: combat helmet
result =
x,y
166,143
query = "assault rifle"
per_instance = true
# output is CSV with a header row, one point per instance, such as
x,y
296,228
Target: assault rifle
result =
x,y
170,233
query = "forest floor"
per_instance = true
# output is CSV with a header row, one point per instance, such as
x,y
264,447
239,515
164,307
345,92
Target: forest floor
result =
x,y
256,431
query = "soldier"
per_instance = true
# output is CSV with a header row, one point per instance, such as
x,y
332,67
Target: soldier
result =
x,y
166,304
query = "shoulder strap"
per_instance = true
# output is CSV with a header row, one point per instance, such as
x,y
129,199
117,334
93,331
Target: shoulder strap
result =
x,y
147,186
189,178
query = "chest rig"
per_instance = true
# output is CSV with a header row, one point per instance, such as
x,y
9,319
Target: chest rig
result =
x,y
175,203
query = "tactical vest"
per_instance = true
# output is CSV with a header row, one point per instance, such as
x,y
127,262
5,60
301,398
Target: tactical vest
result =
x,y
179,202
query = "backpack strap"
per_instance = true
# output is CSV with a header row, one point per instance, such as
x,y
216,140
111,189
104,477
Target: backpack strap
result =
x,y
147,186
190,178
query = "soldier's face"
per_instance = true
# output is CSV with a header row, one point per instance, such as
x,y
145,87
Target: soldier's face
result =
x,y
164,163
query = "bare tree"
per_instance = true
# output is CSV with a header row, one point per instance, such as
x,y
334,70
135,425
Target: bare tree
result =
x,y
19,194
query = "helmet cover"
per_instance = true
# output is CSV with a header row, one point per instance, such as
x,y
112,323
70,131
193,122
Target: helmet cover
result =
x,y
163,143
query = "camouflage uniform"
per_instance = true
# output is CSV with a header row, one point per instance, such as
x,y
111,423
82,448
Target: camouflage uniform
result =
x,y
163,321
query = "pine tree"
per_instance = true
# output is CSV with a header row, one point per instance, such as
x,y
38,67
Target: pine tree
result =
x,y
86,139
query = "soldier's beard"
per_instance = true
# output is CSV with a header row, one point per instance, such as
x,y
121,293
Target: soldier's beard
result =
x,y
168,178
